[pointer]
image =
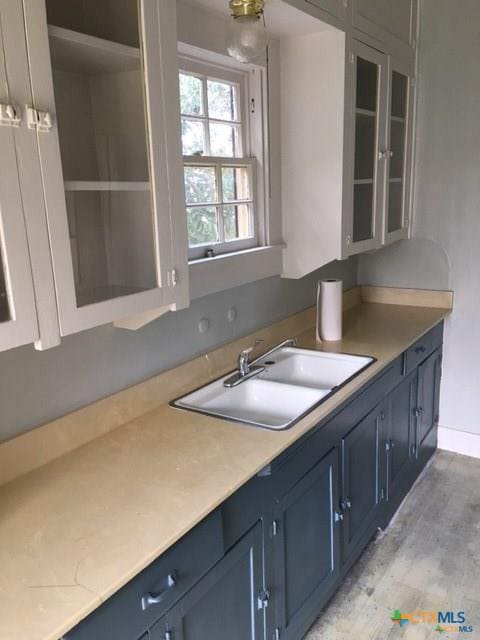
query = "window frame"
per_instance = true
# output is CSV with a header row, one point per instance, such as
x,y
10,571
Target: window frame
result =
x,y
197,62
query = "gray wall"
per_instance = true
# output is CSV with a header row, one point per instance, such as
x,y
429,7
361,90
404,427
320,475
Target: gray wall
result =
x,y
36,387
446,249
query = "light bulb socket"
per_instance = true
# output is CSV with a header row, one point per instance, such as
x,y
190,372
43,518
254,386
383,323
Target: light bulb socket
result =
x,y
241,8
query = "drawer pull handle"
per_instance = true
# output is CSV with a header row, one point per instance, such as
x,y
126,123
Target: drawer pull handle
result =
x,y
155,598
420,349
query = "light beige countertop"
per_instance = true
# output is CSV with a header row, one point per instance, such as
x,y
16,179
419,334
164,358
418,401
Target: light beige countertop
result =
x,y
75,530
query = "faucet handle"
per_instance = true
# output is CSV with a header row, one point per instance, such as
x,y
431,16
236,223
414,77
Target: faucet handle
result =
x,y
245,352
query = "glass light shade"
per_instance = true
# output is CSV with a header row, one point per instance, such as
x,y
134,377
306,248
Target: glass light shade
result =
x,y
247,38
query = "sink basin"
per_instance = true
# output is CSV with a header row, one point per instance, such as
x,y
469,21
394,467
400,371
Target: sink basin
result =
x,y
293,382
309,368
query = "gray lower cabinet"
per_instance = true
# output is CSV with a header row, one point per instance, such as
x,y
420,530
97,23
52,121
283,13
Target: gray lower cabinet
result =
x,y
361,473
229,602
400,443
305,544
429,374
262,566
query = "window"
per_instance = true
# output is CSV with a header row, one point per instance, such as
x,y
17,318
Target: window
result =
x,y
219,173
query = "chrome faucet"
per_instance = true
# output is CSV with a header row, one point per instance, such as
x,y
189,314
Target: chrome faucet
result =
x,y
243,363
245,370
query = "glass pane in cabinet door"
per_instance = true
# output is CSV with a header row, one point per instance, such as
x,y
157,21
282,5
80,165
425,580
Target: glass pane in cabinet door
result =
x,y
363,203
111,244
5,315
365,149
398,130
99,91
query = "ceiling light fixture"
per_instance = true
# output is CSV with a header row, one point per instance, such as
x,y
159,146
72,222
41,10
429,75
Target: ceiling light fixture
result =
x,y
247,38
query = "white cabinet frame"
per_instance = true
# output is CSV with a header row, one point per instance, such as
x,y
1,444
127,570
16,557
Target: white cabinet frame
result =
x,y
158,27
22,327
358,49
407,70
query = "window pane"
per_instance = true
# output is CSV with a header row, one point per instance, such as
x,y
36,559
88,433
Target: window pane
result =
x,y
367,78
397,146
395,206
202,225
363,212
365,139
399,95
235,183
222,100
191,95
111,239
200,185
236,222
193,138
224,140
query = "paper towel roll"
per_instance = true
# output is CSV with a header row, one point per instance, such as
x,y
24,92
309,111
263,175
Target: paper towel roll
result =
x,y
329,310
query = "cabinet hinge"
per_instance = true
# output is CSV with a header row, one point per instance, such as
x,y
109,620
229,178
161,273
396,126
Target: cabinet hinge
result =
x,y
168,635
172,278
39,120
352,57
382,494
345,4
262,599
413,82
345,504
338,516
413,450
276,634
9,116
274,528
252,105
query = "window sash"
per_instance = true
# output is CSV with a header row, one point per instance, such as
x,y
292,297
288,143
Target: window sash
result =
x,y
222,245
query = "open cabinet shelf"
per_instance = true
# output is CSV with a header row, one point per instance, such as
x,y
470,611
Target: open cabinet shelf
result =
x,y
80,52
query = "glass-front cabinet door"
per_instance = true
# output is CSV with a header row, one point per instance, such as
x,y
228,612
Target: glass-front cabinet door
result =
x,y
397,200
365,199
18,319
105,86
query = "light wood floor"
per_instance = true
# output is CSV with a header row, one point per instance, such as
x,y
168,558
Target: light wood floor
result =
x,y
427,560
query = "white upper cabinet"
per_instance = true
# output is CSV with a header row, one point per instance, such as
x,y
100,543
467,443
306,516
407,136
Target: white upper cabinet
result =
x,y
393,22
378,138
104,79
18,317
366,127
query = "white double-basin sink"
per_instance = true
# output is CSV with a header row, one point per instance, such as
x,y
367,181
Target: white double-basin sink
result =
x,y
294,381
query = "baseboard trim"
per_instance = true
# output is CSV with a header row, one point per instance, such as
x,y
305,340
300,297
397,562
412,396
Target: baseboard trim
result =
x,y
456,441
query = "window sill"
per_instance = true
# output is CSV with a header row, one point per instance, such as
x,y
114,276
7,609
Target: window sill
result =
x,y
211,275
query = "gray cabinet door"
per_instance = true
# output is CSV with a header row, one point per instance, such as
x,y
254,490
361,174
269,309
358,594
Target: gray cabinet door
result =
x,y
361,491
390,21
429,375
305,547
400,444
229,602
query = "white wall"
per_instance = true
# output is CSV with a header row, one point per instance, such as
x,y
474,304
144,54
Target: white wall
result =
x,y
446,249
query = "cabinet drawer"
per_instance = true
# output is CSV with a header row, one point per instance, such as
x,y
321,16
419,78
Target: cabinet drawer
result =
x,y
133,609
422,348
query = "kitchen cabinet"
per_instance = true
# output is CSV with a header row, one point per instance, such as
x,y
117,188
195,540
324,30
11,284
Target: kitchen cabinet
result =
x,y
400,443
91,188
25,274
362,460
428,401
305,545
379,139
109,147
265,563
391,22
230,601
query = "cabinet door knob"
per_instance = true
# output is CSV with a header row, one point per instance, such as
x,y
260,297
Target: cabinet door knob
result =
x,y
345,504
338,516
